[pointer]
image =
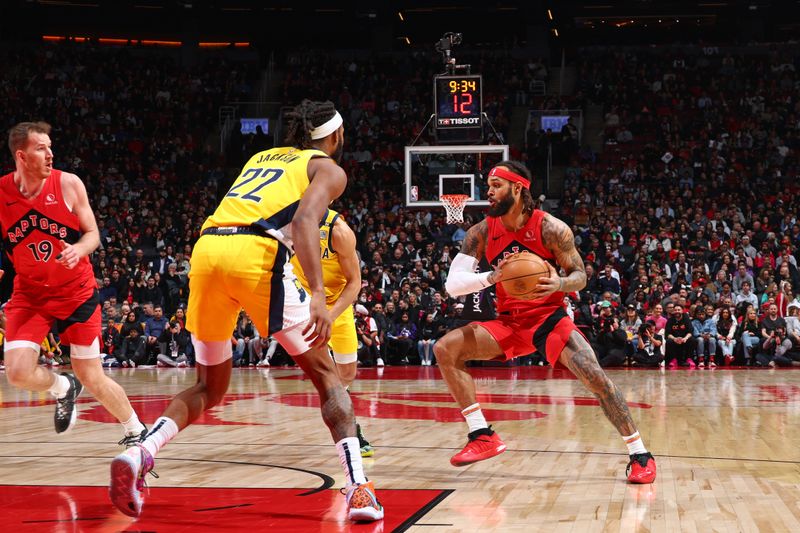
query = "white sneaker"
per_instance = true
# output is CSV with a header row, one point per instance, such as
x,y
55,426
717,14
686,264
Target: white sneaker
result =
x,y
263,362
379,362
128,470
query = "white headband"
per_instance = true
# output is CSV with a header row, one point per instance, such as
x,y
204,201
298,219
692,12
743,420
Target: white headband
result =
x,y
327,128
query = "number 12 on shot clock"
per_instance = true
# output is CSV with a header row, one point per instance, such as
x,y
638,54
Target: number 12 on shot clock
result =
x,y
458,101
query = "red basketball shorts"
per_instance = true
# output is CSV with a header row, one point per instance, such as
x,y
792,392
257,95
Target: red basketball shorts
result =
x,y
544,329
31,314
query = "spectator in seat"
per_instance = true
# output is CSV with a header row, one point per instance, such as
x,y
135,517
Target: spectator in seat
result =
x,y
383,324
107,290
750,334
402,339
133,351
774,349
631,323
793,325
611,339
160,265
746,295
659,318
367,333
583,317
131,322
741,276
650,346
705,333
177,342
152,293
607,281
428,334
680,342
111,338
266,349
244,337
153,328
174,287
726,334
592,282
771,321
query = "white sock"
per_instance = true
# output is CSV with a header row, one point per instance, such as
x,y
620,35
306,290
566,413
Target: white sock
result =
x,y
635,444
133,426
59,387
163,431
350,457
474,417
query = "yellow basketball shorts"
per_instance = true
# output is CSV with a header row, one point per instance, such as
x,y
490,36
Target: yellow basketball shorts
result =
x,y
231,272
344,343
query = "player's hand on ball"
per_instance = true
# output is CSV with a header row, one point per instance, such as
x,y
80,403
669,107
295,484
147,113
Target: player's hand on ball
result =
x,y
547,286
497,275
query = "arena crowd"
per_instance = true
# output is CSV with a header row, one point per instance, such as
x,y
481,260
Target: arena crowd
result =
x,y
687,220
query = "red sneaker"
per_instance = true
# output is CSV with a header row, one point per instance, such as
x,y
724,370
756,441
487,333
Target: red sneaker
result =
x,y
641,468
483,444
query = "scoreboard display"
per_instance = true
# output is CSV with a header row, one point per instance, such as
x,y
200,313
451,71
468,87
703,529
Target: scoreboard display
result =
x,y
458,101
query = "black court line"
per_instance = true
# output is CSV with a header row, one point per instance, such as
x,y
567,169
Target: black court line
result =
x,y
440,448
412,520
327,481
224,507
64,520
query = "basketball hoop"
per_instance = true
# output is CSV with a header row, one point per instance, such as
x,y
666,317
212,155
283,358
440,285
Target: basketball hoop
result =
x,y
454,206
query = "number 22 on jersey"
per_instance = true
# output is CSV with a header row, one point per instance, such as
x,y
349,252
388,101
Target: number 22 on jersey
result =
x,y
258,178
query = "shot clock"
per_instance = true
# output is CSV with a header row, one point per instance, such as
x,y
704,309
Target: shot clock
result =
x,y
458,101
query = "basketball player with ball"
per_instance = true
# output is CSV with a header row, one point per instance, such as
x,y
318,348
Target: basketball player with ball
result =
x,y
522,244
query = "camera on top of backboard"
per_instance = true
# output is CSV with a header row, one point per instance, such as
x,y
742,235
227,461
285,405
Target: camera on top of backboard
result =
x,y
448,41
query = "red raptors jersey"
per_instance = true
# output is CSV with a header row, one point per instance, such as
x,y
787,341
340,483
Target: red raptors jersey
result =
x,y
31,231
501,243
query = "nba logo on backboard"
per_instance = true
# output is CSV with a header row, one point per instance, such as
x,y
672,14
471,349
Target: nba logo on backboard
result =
x,y
414,193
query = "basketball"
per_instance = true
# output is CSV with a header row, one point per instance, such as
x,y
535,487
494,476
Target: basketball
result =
x,y
521,273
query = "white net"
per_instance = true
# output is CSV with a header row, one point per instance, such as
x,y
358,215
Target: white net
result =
x,y
454,206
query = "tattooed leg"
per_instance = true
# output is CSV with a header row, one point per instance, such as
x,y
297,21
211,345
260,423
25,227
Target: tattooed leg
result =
x,y
335,404
579,357
337,412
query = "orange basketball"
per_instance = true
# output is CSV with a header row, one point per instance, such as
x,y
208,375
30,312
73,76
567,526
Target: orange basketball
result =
x,y
521,273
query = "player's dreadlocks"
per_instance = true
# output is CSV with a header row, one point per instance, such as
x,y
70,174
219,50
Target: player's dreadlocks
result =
x,y
304,118
519,168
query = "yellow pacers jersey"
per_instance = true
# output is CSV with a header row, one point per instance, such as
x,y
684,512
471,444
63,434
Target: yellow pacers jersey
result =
x,y
267,192
332,275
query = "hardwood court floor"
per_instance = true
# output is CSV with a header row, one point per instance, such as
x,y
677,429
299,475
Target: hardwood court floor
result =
x,y
727,444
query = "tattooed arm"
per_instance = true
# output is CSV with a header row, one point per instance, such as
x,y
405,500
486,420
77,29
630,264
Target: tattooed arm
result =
x,y
462,279
559,239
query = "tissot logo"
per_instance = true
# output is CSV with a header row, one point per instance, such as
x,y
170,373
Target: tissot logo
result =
x,y
471,121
